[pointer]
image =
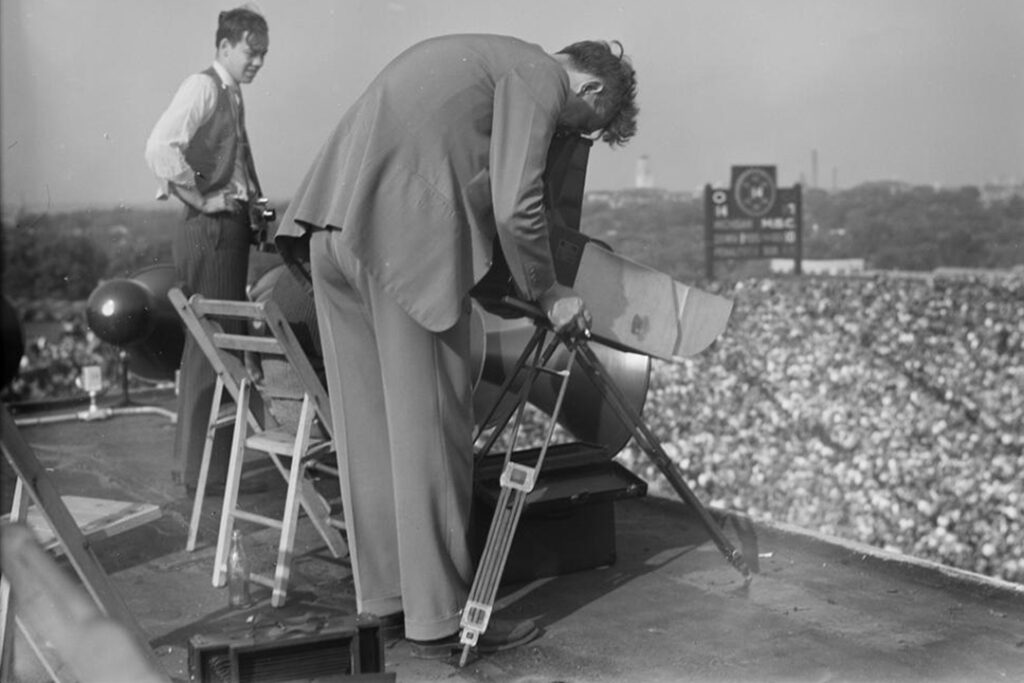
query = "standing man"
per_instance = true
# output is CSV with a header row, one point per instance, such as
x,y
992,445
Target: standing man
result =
x,y
438,163
200,152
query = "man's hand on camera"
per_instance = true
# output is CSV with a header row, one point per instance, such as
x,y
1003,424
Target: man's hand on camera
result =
x,y
565,310
220,202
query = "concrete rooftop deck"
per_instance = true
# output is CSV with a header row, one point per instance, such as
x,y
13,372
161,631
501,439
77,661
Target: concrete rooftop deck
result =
x,y
670,608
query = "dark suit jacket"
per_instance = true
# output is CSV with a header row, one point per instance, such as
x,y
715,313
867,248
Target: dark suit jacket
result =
x,y
444,151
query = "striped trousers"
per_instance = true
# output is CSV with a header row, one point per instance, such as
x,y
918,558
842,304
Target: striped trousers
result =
x,y
211,255
401,404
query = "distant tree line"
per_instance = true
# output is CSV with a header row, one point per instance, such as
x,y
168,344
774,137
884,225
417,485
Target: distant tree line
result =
x,y
915,228
891,227
63,256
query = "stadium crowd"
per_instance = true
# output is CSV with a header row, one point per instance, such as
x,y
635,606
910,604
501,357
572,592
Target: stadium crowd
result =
x,y
51,365
888,410
883,409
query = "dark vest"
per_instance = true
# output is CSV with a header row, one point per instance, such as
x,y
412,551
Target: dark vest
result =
x,y
211,152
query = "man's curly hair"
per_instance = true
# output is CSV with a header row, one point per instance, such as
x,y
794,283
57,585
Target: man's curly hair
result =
x,y
617,102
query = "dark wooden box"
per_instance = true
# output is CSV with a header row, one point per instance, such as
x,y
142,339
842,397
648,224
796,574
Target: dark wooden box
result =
x,y
568,523
339,649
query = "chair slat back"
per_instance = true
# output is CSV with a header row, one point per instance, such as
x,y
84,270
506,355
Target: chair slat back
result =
x,y
267,334
281,330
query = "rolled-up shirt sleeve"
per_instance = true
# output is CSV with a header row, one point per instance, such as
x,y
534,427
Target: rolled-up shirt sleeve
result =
x,y
192,106
527,103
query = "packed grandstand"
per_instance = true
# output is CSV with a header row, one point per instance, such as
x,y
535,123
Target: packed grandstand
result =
x,y
880,408
883,409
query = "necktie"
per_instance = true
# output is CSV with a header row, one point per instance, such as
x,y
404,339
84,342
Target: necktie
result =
x,y
240,111
252,184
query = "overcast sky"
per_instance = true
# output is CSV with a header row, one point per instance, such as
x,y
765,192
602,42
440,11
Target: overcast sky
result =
x,y
925,91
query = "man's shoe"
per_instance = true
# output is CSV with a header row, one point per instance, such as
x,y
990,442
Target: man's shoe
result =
x,y
500,635
439,648
505,634
392,626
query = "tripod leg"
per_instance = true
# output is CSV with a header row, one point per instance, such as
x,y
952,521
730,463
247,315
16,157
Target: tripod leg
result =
x,y
537,366
650,445
517,480
535,341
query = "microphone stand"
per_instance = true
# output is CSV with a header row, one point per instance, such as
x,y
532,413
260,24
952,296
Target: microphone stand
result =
x,y
94,412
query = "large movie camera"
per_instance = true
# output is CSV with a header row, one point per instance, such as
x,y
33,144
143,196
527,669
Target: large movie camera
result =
x,y
564,492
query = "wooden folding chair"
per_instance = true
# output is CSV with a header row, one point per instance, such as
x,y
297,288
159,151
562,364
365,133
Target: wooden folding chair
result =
x,y
237,359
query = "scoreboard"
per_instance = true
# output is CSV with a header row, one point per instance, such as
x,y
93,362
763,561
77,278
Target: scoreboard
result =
x,y
753,218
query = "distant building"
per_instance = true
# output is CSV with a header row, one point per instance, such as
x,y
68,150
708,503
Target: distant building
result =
x,y
894,187
838,266
616,199
644,177
1000,191
976,273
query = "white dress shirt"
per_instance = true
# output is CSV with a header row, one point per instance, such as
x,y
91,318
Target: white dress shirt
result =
x,y
191,107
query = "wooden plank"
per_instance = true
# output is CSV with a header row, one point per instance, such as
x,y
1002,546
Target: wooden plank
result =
x,y
44,494
98,518
282,442
246,342
225,308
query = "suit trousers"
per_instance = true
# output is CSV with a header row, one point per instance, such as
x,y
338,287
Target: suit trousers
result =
x,y
211,255
401,404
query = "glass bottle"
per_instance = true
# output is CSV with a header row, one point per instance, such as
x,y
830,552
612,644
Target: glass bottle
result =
x,y
238,573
